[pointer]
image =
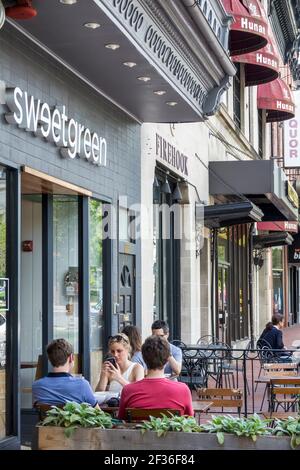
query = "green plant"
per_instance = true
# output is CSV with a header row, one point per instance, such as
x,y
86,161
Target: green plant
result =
x,y
289,427
170,423
248,427
74,415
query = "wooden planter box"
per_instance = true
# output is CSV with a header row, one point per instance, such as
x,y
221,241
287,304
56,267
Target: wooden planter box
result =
x,y
53,438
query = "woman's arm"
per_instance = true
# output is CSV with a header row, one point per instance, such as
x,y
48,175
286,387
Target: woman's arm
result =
x,y
103,381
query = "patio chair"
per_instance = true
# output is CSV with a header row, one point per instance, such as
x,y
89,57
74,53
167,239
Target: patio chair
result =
x,y
284,393
194,371
277,369
42,409
221,397
177,342
143,414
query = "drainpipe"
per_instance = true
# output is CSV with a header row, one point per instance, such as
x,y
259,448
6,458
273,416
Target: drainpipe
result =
x,y
250,273
206,30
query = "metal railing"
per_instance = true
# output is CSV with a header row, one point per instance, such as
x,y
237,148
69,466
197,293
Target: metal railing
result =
x,y
217,365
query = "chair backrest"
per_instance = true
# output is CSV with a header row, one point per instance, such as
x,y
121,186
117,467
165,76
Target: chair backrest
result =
x,y
143,414
178,343
222,397
42,409
280,369
285,392
206,340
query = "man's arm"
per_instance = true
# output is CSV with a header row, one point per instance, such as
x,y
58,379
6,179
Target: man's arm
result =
x,y
175,360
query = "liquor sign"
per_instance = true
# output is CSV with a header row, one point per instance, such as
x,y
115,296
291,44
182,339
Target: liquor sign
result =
x,y
292,137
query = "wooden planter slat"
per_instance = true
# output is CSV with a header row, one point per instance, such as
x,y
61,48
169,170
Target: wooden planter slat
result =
x,y
53,438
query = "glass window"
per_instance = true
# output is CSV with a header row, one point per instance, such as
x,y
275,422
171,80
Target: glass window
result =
x,y
277,274
237,96
65,269
2,293
96,275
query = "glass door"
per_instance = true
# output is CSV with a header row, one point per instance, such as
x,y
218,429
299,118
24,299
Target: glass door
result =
x,y
223,302
3,301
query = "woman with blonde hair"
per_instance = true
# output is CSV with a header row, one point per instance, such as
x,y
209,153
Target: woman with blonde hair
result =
x,y
118,370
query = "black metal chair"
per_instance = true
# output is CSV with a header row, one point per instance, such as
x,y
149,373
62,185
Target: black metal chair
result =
x,y
194,371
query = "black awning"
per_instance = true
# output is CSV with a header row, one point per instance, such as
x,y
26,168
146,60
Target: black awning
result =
x,y
260,181
273,239
223,215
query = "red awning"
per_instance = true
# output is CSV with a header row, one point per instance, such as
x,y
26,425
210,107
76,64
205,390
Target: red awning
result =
x,y
249,29
260,66
276,98
280,226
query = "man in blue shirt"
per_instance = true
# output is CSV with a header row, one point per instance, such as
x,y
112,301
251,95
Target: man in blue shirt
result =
x,y
59,386
174,364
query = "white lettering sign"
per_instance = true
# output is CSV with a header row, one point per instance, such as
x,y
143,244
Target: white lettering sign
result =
x,y
292,137
54,125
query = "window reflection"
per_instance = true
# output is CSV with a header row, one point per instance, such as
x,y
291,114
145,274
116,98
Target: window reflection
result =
x,y
65,269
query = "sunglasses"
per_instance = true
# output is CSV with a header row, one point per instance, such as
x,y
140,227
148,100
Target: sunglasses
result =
x,y
117,338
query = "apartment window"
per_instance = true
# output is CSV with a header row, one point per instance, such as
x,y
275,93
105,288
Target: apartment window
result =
x,y
260,133
237,96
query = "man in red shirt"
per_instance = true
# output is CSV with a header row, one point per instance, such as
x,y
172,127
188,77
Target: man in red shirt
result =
x,y
156,391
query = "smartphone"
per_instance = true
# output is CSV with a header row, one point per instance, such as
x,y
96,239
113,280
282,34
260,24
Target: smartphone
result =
x,y
112,360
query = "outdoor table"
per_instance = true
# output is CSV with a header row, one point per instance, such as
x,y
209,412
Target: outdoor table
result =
x,y
201,407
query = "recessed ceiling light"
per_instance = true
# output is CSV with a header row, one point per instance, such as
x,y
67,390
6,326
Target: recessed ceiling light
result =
x,y
92,25
171,103
129,64
144,79
68,2
160,92
112,46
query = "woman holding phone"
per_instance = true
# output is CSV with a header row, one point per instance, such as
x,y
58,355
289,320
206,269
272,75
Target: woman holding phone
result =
x,y
118,370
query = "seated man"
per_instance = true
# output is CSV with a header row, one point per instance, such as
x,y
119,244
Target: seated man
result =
x,y
174,362
59,386
156,391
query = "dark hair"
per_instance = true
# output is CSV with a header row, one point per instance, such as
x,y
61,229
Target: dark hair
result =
x,y
156,351
160,324
134,336
59,350
276,319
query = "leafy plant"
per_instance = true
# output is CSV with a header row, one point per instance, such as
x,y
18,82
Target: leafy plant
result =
x,y
248,427
170,423
289,427
74,415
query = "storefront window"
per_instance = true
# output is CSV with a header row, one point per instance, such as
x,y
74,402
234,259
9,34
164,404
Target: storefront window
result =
x,y
96,278
3,300
65,269
277,274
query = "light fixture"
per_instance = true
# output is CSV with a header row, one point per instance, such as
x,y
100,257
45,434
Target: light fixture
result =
x,y
177,195
171,103
160,92
129,64
156,182
92,25
68,2
144,79
166,187
113,47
